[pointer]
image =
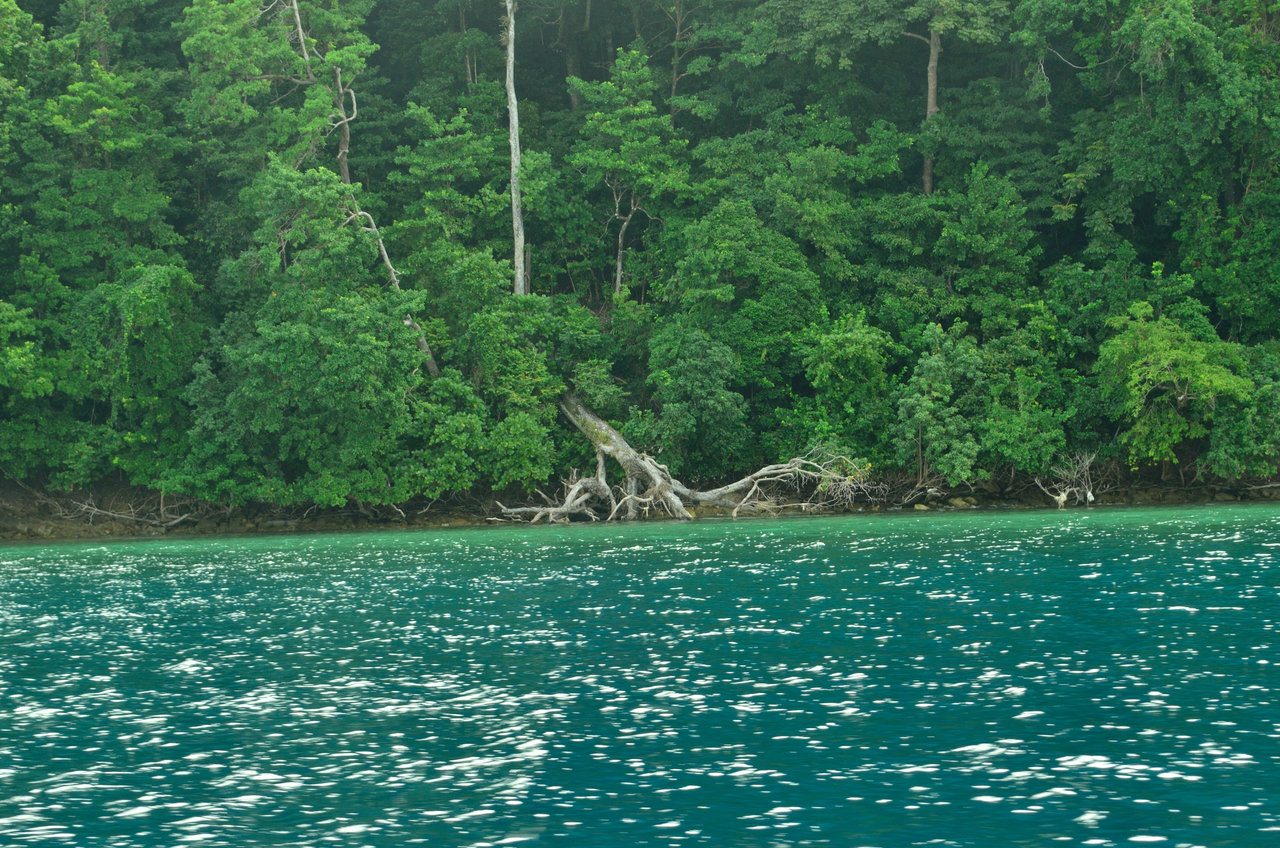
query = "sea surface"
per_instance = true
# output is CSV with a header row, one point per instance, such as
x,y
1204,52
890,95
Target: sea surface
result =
x,y
1104,677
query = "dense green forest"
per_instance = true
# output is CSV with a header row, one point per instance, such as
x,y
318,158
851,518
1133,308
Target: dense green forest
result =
x,y
261,251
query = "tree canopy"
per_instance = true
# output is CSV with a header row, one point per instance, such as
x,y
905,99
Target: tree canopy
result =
x,y
260,251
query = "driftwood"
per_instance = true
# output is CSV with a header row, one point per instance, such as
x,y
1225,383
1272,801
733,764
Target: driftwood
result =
x,y
150,508
648,488
1074,477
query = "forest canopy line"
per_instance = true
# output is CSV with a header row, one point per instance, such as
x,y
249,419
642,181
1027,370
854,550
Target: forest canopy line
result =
x,y
265,251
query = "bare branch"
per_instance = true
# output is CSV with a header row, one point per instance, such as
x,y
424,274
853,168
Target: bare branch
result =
x,y
1072,478
1071,64
302,39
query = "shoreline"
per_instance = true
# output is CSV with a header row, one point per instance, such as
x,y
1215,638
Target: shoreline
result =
x,y
23,518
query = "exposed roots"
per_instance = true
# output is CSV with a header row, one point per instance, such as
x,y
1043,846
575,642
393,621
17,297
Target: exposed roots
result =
x,y
581,493
818,480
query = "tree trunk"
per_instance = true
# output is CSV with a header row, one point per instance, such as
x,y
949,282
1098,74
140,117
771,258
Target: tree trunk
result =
x,y
655,483
520,284
468,64
301,34
622,249
931,101
573,68
919,457
393,279
340,94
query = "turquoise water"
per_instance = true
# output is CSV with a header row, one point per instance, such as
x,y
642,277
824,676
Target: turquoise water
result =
x,y
1099,678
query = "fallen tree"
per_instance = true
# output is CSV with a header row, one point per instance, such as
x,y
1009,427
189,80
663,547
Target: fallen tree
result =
x,y
821,479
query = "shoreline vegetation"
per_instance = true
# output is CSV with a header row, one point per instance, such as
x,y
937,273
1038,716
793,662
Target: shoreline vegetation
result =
x,y
122,512
282,263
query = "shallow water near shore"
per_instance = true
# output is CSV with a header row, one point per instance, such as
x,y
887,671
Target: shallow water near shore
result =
x,y
1024,678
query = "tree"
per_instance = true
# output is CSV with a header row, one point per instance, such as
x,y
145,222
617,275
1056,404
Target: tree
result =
x,y
1167,383
519,256
628,148
1029,397
700,423
939,408
1245,439
262,250
100,296
833,32
300,346
847,362
987,250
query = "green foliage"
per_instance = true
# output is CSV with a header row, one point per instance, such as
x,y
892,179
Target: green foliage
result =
x,y
1029,397
986,250
734,257
848,365
455,209
519,354
19,369
1235,253
1245,439
626,144
748,287
1167,383
832,31
939,408
450,423
313,405
598,388
628,156
700,424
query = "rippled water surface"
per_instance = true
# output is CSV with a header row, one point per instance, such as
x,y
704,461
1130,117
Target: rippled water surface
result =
x,y
1101,678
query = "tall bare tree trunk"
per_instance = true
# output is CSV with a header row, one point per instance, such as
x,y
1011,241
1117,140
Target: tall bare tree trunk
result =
x,y
340,95
521,276
570,45
622,235
300,33
468,60
931,103
622,249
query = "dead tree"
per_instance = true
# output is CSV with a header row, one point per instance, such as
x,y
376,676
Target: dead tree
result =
x,y
1072,478
521,273
826,479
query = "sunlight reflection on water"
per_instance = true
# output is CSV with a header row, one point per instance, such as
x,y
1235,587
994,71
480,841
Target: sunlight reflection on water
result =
x,y
982,679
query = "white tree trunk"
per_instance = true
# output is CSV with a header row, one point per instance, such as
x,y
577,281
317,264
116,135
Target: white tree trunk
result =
x,y
931,103
521,277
